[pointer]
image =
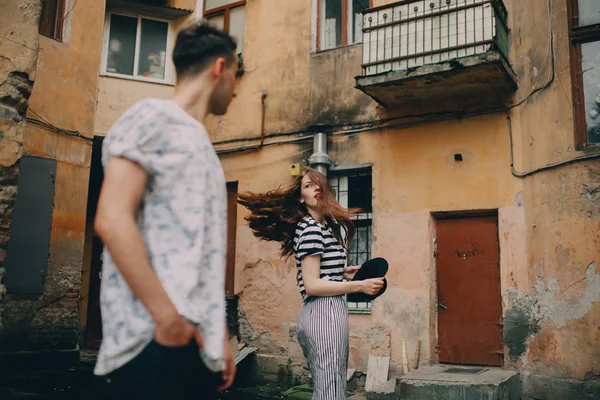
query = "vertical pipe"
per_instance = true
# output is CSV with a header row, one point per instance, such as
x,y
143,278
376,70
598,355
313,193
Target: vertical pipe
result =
x,y
319,159
262,122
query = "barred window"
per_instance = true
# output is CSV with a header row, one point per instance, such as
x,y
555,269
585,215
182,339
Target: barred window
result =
x,y
354,190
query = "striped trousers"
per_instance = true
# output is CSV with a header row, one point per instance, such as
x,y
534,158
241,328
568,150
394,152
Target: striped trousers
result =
x,y
322,332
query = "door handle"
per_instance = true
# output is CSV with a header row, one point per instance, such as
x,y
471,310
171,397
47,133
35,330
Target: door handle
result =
x,y
441,305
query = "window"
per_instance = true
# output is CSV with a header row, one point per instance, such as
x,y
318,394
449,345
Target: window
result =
x,y
51,21
229,15
354,190
340,22
137,47
585,39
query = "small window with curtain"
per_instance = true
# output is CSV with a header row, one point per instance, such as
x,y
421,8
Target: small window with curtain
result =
x,y
354,190
585,50
340,22
51,20
137,47
230,16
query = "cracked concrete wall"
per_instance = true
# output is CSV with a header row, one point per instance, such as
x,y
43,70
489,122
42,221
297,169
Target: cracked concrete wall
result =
x,y
18,59
552,323
309,81
403,230
414,174
64,97
549,222
551,301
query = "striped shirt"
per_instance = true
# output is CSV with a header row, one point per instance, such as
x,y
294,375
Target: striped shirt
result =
x,y
311,238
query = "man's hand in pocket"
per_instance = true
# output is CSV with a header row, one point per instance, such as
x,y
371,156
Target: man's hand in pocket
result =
x,y
177,332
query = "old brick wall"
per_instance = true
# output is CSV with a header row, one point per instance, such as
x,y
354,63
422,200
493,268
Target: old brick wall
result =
x,y
19,21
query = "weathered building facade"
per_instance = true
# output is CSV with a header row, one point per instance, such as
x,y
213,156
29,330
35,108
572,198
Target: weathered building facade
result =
x,y
17,74
464,121
463,128
44,259
83,76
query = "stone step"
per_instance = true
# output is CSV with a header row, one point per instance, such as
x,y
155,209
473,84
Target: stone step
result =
x,y
386,391
443,382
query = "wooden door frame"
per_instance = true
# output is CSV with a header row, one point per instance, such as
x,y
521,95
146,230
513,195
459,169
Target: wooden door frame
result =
x,y
84,291
86,276
230,267
441,215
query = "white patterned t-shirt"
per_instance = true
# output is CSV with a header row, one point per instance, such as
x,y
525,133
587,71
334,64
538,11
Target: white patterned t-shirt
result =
x,y
183,222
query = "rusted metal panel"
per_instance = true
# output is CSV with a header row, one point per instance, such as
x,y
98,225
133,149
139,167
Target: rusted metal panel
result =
x,y
469,299
27,254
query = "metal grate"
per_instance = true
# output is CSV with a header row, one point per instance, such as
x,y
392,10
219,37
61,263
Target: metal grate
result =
x,y
354,190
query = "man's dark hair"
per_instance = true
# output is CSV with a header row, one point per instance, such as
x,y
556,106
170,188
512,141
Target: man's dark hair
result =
x,y
199,44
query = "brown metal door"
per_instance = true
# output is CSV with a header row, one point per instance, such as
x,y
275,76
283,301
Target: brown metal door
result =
x,y
469,301
232,191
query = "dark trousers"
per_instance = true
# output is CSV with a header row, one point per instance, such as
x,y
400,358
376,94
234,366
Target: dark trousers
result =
x,y
169,373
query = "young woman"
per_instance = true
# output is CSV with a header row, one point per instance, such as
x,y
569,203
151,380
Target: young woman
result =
x,y
310,224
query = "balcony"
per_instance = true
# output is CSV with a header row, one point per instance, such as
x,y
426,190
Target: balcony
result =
x,y
150,8
437,56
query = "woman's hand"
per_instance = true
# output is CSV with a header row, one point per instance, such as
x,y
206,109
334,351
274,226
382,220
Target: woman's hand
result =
x,y
349,272
371,286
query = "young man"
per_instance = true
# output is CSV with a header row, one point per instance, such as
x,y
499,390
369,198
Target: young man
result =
x,y
162,215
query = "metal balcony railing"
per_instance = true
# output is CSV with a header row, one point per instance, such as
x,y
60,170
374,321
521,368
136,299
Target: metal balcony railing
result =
x,y
413,33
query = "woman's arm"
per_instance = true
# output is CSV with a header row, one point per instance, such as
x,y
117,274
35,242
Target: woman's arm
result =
x,y
315,286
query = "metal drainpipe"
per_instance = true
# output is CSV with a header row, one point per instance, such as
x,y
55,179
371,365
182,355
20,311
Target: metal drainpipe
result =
x,y
319,159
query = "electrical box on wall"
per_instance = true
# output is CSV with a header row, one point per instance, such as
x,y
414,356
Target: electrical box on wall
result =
x,y
295,169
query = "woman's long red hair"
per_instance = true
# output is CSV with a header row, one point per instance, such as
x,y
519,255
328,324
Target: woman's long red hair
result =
x,y
274,215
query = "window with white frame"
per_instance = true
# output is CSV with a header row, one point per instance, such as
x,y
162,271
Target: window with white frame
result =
x,y
340,22
137,47
354,190
230,16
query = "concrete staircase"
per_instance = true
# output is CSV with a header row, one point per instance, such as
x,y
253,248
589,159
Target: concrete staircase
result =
x,y
444,382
